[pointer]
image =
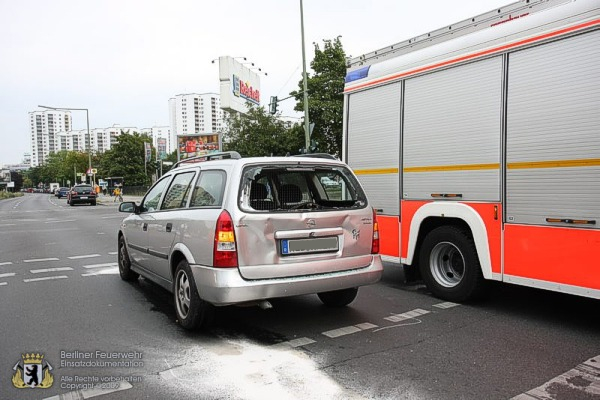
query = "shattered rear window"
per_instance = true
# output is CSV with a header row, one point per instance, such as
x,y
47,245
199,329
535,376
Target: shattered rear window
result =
x,y
299,187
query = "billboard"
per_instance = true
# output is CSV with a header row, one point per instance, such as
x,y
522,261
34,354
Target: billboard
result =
x,y
197,145
147,152
161,148
238,85
4,175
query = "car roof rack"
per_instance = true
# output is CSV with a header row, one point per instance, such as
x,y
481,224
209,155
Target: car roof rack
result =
x,y
317,155
234,155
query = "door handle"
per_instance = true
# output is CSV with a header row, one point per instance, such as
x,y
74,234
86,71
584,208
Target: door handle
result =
x,y
144,227
169,227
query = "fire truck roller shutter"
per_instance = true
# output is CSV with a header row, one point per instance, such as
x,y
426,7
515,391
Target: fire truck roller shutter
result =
x,y
374,144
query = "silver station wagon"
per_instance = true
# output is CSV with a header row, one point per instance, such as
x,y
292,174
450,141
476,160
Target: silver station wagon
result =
x,y
221,230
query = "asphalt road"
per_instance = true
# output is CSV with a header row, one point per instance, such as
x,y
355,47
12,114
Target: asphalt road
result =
x,y
61,297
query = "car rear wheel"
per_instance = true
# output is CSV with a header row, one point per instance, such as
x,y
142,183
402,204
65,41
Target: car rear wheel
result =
x,y
338,298
71,203
192,311
125,263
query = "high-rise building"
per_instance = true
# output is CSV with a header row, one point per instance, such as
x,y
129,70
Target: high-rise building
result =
x,y
194,114
44,127
160,135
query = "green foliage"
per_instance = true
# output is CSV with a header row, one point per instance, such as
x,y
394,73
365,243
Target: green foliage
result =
x,y
60,167
325,95
258,134
126,159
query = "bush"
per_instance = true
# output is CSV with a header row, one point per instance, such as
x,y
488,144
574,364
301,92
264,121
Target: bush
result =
x,y
9,195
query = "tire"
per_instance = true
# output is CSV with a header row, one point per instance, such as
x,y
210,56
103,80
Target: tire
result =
x,y
93,203
71,203
125,263
192,312
450,266
338,298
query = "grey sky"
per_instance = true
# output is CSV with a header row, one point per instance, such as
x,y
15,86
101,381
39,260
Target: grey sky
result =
x,y
123,59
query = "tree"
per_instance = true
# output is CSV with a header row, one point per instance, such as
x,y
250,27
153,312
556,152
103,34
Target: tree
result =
x,y
258,133
325,95
126,159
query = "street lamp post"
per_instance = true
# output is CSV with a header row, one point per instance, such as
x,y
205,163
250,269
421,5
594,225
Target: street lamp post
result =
x,y
87,118
306,123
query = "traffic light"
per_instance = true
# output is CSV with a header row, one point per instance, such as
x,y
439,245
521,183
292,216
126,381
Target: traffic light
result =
x,y
273,105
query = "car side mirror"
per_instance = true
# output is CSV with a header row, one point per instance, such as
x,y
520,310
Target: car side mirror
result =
x,y
129,207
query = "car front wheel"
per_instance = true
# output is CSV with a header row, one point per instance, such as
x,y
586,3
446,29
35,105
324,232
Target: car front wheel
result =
x,y
125,263
192,311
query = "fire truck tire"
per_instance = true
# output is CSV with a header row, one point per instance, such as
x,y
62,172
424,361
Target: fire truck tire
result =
x,y
450,266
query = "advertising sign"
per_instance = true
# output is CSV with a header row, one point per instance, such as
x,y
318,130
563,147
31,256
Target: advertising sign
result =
x,y
161,147
5,175
148,151
197,145
238,85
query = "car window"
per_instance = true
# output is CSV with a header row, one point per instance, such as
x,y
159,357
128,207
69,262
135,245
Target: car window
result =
x,y
150,202
294,188
82,189
178,191
209,189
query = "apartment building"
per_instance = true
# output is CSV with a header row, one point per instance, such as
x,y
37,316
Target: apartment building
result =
x,y
194,114
44,128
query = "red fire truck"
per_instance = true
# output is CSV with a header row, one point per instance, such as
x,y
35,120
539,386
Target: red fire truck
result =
x,y
479,145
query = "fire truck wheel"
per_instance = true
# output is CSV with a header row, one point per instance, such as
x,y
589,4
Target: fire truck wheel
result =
x,y
450,266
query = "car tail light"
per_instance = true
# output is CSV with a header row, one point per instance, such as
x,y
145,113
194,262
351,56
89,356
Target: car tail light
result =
x,y
375,242
225,253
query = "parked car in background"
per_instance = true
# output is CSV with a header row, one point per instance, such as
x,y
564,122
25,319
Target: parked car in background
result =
x,y
62,192
241,231
81,194
328,182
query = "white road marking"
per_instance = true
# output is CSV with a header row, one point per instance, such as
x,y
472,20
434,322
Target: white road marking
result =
x,y
47,278
63,220
101,233
303,341
583,381
3,283
6,263
113,253
114,216
7,275
41,271
348,330
85,256
89,393
105,271
446,305
113,264
41,259
407,315
8,224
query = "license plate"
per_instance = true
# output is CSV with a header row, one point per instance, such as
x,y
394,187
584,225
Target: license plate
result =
x,y
312,245
83,197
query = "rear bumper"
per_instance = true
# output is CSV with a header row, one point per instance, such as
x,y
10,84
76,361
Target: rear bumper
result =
x,y
224,286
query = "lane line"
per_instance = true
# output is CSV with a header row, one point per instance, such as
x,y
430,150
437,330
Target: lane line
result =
x,y
303,341
47,278
581,382
112,264
41,259
7,275
40,271
8,224
84,256
105,271
446,305
113,253
61,221
3,283
89,393
348,330
407,315
113,216
6,263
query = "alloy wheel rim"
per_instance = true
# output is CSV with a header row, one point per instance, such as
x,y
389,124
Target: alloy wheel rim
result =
x,y
183,294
